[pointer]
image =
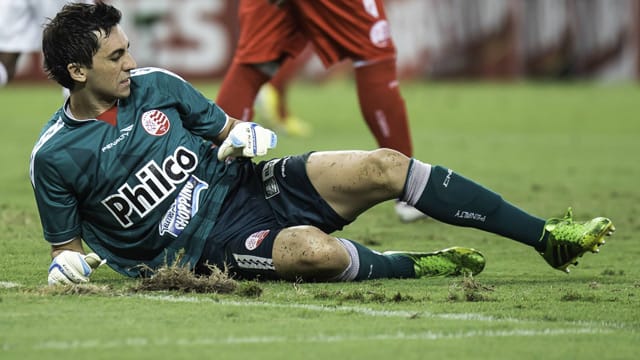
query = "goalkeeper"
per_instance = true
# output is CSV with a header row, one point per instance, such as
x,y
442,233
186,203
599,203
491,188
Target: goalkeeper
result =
x,y
129,165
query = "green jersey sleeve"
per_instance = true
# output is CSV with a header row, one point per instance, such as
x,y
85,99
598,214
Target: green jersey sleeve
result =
x,y
56,205
200,115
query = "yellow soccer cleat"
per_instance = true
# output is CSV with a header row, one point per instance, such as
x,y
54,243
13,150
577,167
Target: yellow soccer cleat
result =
x,y
569,240
454,261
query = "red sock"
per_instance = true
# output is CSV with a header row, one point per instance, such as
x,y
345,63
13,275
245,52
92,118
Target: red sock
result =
x,y
382,105
239,89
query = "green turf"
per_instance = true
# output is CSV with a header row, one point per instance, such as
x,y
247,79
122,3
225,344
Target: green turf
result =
x,y
543,147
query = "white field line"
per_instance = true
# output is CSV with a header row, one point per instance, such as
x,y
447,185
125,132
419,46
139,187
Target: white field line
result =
x,y
323,308
381,313
359,310
583,328
8,284
141,342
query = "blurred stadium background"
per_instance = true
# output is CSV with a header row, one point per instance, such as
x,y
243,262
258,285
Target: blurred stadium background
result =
x,y
436,39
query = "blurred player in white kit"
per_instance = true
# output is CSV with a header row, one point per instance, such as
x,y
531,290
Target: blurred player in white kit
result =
x,y
21,30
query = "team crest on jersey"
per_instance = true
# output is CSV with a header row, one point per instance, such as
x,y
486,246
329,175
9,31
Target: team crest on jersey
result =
x,y
155,122
184,207
255,239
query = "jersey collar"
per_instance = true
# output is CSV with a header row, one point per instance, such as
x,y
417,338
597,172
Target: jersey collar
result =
x,y
69,119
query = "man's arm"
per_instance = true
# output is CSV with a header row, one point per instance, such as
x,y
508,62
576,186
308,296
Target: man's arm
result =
x,y
70,265
244,139
74,245
225,132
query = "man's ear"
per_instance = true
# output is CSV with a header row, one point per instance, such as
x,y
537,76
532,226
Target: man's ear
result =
x,y
77,72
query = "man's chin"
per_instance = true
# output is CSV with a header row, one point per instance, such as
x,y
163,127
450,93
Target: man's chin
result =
x,y
123,94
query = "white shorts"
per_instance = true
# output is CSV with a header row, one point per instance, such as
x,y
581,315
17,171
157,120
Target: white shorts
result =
x,y
21,23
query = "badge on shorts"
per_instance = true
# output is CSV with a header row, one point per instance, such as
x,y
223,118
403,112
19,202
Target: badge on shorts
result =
x,y
255,239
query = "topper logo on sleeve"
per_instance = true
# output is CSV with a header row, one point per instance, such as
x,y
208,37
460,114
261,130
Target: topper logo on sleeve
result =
x,y
155,122
156,184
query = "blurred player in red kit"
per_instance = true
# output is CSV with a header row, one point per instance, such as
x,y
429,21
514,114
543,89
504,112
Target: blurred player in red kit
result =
x,y
358,30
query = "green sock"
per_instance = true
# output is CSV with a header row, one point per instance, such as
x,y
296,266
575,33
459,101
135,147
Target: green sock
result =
x,y
368,264
454,199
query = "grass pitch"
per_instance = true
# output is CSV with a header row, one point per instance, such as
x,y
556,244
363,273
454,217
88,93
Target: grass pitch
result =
x,y
544,147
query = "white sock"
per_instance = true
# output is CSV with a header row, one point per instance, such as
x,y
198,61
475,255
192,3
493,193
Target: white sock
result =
x,y
351,271
416,182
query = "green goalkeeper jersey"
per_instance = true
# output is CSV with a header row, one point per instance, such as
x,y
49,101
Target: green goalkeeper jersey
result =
x,y
142,190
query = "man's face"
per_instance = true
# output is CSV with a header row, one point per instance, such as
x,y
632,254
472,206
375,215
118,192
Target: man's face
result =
x,y
109,77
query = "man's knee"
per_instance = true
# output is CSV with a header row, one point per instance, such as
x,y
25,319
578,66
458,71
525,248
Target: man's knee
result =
x,y
388,168
307,252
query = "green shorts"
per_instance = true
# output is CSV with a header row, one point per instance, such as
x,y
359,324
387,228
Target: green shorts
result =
x,y
268,197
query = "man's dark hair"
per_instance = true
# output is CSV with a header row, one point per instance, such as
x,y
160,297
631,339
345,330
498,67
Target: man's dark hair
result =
x,y
70,37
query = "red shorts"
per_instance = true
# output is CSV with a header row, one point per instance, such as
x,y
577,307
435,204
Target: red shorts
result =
x,y
338,29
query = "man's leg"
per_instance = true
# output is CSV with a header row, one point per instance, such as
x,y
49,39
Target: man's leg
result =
x,y
8,63
385,113
353,181
382,105
4,75
272,106
291,66
451,198
239,89
307,253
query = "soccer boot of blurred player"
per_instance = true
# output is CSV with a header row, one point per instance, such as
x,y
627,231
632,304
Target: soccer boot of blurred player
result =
x,y
453,261
268,105
569,240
